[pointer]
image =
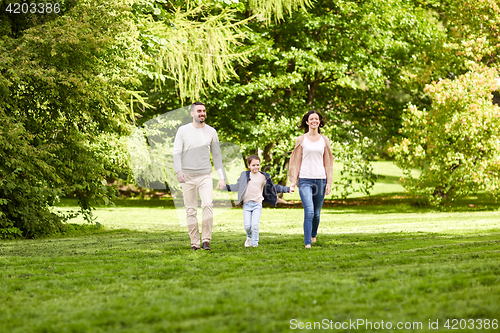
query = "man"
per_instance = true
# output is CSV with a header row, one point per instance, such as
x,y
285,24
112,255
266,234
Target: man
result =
x,y
192,146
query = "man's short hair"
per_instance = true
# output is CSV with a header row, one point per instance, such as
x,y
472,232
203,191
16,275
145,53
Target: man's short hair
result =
x,y
195,104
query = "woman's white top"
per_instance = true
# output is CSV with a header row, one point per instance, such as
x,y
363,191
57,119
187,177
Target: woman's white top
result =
x,y
312,165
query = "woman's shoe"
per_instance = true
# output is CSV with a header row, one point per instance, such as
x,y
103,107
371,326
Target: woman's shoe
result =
x,y
308,246
313,239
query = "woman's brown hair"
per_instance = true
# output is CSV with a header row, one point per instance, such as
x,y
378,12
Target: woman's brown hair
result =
x,y
305,118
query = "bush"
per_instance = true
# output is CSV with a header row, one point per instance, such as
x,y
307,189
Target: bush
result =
x,y
456,143
25,192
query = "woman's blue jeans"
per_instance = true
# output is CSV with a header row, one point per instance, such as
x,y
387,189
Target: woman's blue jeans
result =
x,y
312,194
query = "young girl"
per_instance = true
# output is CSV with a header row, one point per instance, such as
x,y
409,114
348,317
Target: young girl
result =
x,y
255,187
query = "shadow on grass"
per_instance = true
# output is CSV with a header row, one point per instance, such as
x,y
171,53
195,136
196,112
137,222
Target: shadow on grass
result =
x,y
130,243
386,203
153,203
375,209
384,179
389,203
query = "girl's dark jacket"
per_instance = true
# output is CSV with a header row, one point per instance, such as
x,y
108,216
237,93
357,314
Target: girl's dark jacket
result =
x,y
269,192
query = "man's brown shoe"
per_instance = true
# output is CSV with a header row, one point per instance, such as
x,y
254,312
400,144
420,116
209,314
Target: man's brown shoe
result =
x,y
194,248
206,246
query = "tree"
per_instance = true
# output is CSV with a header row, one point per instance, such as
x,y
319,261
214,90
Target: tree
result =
x,y
68,82
64,83
192,43
358,62
456,143
350,60
473,30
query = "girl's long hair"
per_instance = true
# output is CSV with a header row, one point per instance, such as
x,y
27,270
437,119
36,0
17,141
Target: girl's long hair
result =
x,y
303,125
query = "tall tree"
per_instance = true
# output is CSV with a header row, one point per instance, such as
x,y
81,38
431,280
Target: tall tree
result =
x,y
192,43
354,61
454,139
64,82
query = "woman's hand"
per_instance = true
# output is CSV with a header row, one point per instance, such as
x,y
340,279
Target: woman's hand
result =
x,y
328,189
292,188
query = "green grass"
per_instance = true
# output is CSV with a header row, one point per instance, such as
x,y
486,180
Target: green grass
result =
x,y
395,263
377,259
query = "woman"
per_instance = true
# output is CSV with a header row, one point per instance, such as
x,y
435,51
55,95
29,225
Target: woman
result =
x,y
311,164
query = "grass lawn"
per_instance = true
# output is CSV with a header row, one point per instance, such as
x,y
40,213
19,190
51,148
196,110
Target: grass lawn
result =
x,y
391,262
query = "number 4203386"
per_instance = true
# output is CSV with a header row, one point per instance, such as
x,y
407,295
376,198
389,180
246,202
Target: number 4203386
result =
x,y
455,324
33,8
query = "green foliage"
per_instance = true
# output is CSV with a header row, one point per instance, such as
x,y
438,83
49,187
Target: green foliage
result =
x,y
456,143
193,44
356,175
275,140
69,81
26,184
324,59
151,151
266,10
193,53
473,30
15,23
355,62
64,83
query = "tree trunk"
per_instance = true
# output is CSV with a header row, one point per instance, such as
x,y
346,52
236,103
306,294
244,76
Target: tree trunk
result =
x,y
311,91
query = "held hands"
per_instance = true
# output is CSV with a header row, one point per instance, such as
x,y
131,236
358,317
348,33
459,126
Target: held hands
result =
x,y
222,184
292,188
